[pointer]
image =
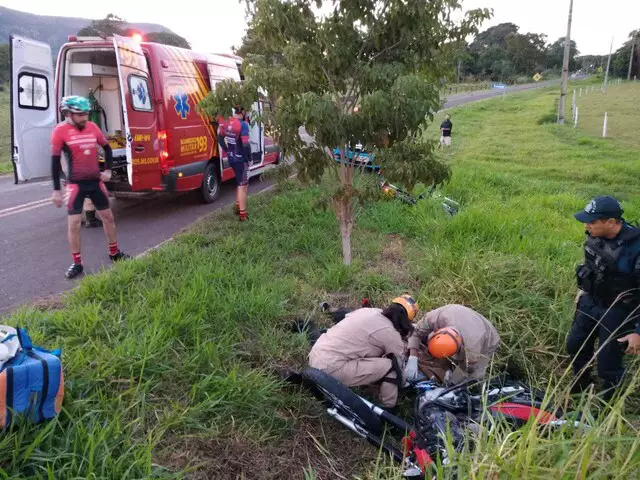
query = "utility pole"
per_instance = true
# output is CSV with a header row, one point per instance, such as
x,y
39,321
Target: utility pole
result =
x,y
633,44
565,68
637,57
606,75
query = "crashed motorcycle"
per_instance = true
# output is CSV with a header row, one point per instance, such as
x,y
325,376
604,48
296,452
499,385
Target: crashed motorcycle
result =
x,y
456,413
360,158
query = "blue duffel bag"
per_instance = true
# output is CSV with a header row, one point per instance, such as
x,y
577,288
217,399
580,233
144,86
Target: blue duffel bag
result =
x,y
31,382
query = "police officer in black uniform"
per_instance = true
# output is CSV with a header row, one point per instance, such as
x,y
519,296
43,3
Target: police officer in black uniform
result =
x,y
608,303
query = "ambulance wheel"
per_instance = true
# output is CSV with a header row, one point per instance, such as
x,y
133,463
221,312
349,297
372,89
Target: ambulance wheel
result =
x,y
210,189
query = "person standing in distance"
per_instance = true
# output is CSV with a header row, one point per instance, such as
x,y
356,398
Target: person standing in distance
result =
x,y
79,139
445,130
233,137
608,300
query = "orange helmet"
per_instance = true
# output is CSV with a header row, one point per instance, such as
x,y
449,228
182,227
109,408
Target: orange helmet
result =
x,y
445,342
409,304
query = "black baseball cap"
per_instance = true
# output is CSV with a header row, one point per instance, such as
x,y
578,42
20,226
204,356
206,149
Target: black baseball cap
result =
x,y
598,208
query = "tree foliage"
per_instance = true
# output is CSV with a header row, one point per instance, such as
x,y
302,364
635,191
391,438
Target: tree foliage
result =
x,y
620,61
167,38
493,37
367,71
526,52
4,63
113,24
555,54
503,53
591,63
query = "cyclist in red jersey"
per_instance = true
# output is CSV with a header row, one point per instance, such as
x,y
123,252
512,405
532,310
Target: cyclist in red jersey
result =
x,y
79,139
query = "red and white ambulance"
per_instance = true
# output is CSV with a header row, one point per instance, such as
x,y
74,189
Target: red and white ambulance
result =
x,y
144,98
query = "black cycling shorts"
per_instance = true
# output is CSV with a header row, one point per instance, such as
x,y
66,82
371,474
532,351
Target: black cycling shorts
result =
x,y
92,189
240,169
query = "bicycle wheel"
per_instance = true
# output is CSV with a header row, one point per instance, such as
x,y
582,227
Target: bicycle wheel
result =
x,y
332,391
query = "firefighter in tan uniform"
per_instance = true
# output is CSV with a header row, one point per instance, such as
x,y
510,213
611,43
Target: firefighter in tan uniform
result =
x,y
451,344
367,348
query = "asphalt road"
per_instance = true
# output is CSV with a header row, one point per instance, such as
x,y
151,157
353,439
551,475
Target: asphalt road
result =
x,y
461,98
34,244
33,231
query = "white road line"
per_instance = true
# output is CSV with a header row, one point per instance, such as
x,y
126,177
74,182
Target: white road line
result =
x,y
17,207
22,211
24,208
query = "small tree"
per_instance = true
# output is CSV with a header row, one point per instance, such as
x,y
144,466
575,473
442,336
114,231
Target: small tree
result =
x,y
167,38
365,72
111,24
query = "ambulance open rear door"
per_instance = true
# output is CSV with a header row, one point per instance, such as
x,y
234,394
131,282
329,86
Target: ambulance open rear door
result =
x,y
33,108
144,147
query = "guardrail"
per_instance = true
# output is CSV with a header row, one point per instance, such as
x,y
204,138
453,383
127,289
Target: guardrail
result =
x,y
466,87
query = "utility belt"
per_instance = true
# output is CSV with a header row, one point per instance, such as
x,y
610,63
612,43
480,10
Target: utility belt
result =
x,y
602,292
584,278
395,367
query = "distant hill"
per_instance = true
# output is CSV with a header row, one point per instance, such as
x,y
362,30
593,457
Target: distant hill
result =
x,y
52,30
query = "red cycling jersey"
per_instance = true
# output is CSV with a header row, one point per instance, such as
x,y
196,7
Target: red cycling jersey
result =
x,y
81,147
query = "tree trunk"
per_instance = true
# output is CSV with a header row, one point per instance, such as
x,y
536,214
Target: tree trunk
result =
x,y
343,208
346,226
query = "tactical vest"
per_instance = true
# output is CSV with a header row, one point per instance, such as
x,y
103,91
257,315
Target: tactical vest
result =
x,y
600,276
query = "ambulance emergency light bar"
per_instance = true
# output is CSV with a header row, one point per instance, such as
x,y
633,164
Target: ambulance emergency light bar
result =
x,y
136,37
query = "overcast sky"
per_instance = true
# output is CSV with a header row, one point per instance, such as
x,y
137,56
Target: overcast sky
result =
x,y
219,24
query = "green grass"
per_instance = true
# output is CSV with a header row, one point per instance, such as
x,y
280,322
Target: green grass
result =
x,y
170,360
5,133
621,104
